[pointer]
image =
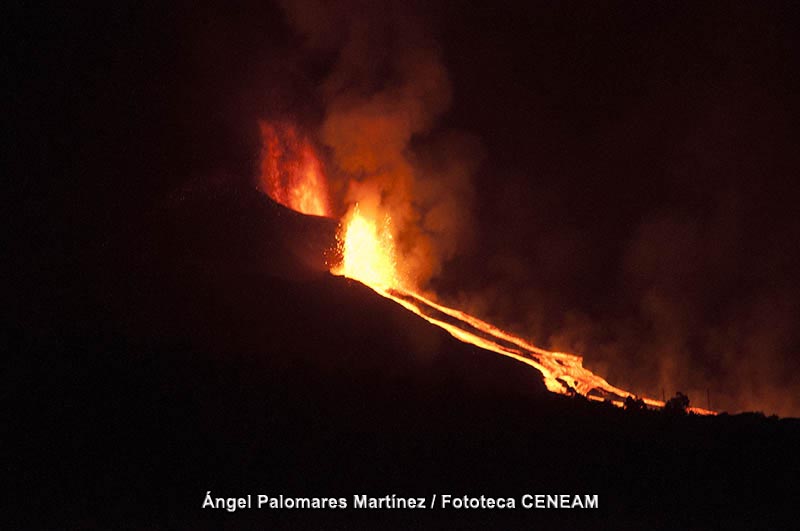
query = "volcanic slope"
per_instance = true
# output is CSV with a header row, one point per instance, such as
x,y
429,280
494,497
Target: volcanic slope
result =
x,y
207,348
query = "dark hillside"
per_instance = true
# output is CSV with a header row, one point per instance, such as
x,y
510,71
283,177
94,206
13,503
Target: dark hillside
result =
x,y
203,366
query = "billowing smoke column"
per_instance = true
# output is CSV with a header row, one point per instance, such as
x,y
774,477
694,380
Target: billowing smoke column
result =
x,y
386,89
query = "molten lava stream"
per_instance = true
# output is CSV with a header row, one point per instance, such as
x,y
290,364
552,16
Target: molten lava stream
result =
x,y
368,256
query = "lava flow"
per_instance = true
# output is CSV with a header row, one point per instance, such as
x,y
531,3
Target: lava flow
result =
x,y
369,255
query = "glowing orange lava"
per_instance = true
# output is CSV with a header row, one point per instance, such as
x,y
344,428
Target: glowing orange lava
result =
x,y
369,256
368,253
291,174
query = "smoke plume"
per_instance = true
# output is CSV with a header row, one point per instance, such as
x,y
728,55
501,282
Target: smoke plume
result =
x,y
385,91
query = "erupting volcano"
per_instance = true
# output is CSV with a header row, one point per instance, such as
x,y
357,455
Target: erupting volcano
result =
x,y
368,254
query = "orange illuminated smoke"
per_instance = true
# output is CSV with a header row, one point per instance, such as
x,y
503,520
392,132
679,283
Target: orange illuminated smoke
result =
x,y
291,173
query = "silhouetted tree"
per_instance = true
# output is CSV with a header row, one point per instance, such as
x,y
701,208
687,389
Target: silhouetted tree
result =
x,y
678,404
634,404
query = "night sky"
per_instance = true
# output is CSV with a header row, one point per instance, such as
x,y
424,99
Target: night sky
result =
x,y
629,187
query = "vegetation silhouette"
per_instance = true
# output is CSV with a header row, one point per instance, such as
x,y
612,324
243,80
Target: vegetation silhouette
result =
x,y
677,405
634,404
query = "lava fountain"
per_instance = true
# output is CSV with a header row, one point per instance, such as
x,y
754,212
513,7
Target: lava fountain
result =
x,y
367,250
291,173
